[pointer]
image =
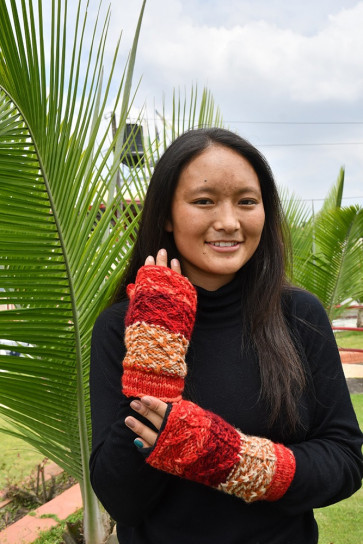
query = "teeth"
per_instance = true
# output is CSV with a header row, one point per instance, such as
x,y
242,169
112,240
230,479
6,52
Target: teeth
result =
x,y
224,244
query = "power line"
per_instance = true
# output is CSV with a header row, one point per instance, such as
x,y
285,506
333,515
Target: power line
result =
x,y
310,144
240,122
322,199
296,122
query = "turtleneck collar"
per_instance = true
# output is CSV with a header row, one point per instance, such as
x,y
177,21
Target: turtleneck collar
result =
x,y
220,308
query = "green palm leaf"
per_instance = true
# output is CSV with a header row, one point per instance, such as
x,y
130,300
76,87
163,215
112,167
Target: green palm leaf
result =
x,y
335,272
300,226
54,252
327,249
334,198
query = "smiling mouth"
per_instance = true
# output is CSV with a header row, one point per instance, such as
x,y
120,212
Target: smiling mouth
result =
x,y
223,244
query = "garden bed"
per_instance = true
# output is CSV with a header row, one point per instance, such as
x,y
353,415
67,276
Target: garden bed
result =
x,y
45,483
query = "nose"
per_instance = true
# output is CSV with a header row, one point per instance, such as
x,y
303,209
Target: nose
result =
x,y
226,218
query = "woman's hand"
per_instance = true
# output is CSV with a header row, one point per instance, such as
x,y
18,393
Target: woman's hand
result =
x,y
152,409
162,260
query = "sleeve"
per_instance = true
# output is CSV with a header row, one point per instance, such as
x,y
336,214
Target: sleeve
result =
x,y
126,486
329,463
322,469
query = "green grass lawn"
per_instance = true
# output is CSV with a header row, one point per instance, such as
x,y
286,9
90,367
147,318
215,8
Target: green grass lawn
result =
x,y
18,459
349,339
342,523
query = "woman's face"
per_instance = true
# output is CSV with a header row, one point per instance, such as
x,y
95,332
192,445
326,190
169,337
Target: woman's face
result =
x,y
217,216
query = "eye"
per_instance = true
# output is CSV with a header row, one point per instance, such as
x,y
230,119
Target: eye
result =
x,y
247,202
202,201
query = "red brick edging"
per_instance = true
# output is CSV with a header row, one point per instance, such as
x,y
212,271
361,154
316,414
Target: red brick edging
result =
x,y
27,529
351,356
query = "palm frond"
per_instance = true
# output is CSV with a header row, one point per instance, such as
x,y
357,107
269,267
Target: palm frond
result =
x,y
300,227
334,198
55,251
334,270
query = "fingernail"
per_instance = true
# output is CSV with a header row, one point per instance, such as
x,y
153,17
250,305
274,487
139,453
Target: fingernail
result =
x,y
135,405
162,252
174,262
149,259
130,422
146,401
138,443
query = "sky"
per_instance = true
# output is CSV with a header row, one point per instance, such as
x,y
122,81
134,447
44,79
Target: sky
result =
x,y
286,75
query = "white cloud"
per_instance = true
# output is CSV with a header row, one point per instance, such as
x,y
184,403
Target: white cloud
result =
x,y
263,61
324,66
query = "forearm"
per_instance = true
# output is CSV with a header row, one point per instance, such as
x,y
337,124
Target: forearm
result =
x,y
200,446
159,323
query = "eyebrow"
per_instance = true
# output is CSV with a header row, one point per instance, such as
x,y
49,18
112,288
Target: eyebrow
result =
x,y
213,190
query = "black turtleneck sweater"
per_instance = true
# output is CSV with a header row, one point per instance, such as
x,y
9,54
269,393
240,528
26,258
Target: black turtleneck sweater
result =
x,y
152,507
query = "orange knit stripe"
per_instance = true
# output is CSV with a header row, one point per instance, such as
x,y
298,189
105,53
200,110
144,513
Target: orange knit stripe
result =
x,y
153,349
139,383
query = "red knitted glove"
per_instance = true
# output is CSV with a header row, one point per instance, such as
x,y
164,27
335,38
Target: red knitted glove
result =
x,y
200,446
159,324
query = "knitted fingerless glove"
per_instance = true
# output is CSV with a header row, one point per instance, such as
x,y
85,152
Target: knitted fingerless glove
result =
x,y
198,445
159,324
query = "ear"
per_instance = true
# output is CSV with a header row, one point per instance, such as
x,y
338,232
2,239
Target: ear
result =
x,y
168,226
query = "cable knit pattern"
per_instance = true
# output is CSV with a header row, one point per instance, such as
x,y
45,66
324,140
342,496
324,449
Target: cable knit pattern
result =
x,y
159,324
200,446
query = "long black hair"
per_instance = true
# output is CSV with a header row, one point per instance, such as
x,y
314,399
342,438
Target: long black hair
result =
x,y
264,281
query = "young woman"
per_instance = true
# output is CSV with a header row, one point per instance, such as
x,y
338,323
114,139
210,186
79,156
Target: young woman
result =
x,y
220,409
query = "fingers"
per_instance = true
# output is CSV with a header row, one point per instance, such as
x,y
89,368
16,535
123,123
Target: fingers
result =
x,y
149,260
156,405
147,435
162,260
153,410
156,418
175,265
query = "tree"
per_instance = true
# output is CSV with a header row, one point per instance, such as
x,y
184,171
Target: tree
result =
x,y
328,249
59,257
